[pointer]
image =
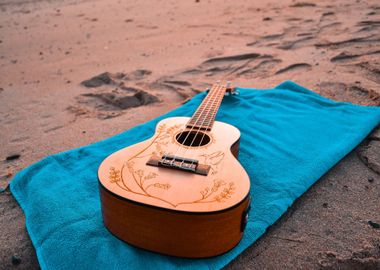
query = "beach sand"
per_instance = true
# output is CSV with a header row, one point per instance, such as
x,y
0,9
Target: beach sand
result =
x,y
76,72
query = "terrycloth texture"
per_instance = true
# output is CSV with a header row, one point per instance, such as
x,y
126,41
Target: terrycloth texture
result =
x,y
290,138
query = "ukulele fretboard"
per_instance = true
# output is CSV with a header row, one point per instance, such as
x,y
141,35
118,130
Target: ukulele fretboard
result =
x,y
204,116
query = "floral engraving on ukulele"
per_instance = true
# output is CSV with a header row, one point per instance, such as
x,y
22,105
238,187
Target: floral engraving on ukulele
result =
x,y
142,182
220,197
213,159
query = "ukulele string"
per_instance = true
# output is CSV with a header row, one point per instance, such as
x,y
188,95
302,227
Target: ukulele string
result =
x,y
204,119
210,120
189,132
212,95
213,118
176,152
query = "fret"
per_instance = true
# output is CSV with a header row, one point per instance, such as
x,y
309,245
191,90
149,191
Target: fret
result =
x,y
204,116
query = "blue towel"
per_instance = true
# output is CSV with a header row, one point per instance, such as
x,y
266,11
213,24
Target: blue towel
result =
x,y
290,138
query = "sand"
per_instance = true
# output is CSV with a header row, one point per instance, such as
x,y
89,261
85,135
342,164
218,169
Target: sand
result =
x,y
151,57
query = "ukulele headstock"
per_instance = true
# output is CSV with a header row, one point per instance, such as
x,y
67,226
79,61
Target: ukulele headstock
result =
x,y
229,89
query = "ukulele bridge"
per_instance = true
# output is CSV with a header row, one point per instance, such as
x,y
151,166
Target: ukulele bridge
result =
x,y
179,163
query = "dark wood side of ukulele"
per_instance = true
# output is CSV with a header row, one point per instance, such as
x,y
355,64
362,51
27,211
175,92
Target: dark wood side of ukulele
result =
x,y
176,233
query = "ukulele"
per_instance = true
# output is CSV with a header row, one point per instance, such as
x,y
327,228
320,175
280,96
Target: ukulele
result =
x,y
182,192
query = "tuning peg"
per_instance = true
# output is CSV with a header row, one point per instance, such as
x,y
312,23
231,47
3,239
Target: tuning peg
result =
x,y
229,87
231,90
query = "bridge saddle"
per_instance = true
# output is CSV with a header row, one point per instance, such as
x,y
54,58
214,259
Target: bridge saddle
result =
x,y
179,163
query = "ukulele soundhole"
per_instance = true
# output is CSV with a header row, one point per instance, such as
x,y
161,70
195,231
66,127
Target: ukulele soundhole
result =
x,y
193,138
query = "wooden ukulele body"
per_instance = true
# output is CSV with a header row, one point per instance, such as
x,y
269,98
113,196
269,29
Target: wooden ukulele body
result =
x,y
173,211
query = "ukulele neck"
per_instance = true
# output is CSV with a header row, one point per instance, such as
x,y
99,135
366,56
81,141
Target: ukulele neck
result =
x,y
204,116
